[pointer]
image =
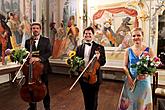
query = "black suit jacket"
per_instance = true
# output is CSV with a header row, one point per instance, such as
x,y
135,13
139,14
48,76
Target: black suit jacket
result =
x,y
44,48
102,60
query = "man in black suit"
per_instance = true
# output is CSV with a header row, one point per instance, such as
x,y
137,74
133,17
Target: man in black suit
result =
x,y
86,51
41,44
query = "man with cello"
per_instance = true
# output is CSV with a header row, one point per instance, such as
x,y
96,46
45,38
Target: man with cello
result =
x,y
90,81
43,47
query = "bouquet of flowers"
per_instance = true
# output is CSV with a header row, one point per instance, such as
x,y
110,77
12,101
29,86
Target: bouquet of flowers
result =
x,y
146,64
74,62
17,55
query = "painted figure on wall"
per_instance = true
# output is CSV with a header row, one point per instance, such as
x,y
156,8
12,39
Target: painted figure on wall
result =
x,y
120,39
18,32
72,33
66,13
98,33
61,31
100,36
5,43
60,42
66,40
25,27
109,33
53,32
123,37
14,26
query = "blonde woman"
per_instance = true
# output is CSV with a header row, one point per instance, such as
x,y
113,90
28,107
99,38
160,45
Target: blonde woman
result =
x,y
141,97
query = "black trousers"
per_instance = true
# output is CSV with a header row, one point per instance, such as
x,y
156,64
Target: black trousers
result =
x,y
46,100
90,94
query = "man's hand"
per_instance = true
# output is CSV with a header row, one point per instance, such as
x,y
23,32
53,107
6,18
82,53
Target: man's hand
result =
x,y
34,59
97,54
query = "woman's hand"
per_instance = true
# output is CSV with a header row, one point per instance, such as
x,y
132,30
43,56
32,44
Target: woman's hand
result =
x,y
131,82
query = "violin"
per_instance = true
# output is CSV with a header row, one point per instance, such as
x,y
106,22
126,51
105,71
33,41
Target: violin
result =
x,y
33,90
90,74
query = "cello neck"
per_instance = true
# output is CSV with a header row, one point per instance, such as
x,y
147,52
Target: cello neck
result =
x,y
30,64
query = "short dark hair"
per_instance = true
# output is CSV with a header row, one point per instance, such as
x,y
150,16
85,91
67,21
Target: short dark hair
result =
x,y
87,29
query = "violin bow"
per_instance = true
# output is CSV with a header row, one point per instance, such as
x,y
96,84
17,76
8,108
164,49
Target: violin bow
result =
x,y
20,68
83,72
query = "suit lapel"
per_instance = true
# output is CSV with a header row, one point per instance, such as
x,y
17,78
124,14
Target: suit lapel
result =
x,y
39,43
82,50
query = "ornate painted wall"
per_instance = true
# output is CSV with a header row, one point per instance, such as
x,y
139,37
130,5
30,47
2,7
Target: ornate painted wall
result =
x,y
147,16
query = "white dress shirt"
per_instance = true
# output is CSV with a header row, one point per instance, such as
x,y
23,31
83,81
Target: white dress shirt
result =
x,y
87,52
36,41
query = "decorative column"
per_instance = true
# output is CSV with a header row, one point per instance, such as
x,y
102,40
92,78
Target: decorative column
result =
x,y
85,14
47,18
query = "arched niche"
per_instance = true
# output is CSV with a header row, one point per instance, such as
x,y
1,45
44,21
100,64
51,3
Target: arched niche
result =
x,y
161,37
161,32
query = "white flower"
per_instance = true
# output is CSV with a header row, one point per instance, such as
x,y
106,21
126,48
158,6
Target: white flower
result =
x,y
147,57
145,65
152,64
138,63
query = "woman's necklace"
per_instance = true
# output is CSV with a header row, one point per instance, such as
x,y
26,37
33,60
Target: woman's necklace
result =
x,y
138,48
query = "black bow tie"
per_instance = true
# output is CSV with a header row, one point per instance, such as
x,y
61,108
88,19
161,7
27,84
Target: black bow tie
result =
x,y
89,44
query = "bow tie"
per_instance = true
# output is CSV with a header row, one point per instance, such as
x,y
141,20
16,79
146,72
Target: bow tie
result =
x,y
89,44
35,38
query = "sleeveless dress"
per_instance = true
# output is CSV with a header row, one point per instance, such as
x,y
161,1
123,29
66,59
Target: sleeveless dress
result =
x,y
142,94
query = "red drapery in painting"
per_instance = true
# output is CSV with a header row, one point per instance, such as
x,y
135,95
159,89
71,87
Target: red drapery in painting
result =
x,y
130,12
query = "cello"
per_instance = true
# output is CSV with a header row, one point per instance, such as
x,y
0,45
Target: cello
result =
x,y
33,90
